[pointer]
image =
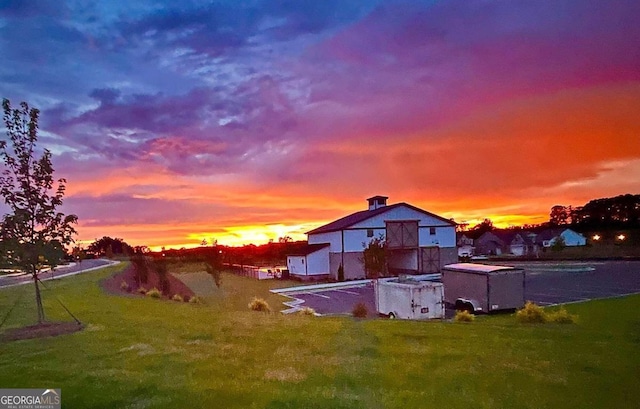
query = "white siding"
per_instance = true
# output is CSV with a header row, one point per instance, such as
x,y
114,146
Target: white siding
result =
x,y
318,262
334,239
353,239
315,263
400,213
445,236
297,265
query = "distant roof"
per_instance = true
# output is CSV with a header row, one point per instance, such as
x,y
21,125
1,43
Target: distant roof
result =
x,y
479,268
308,249
358,217
550,234
507,236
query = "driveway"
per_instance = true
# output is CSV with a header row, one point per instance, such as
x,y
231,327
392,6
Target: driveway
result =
x,y
62,271
546,283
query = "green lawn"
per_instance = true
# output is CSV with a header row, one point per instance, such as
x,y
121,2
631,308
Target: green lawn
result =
x,y
146,353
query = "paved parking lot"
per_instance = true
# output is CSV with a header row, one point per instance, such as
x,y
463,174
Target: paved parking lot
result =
x,y
546,283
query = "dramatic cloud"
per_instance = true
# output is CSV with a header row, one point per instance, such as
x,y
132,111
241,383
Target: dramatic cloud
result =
x,y
249,120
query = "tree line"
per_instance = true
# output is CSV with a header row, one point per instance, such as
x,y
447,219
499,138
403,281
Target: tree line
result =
x,y
619,212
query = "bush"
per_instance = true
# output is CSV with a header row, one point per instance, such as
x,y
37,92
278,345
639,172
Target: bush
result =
x,y
360,310
154,293
124,286
562,316
258,304
531,314
160,266
141,268
307,311
177,297
142,290
195,300
464,316
341,273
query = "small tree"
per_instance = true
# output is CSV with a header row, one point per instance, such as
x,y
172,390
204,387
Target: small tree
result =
x,y
34,232
558,244
341,272
162,270
140,267
374,257
213,265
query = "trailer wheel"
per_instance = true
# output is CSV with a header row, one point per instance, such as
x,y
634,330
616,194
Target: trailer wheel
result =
x,y
392,316
465,306
468,307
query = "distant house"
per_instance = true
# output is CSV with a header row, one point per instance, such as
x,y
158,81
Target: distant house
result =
x,y
465,244
417,241
501,242
548,237
489,244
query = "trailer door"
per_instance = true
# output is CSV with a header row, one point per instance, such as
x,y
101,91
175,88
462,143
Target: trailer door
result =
x,y
506,290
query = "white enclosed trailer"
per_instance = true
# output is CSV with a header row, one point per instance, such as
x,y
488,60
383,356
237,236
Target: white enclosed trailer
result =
x,y
483,288
409,299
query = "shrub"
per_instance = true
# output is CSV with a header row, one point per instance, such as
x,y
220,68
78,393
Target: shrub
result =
x,y
464,316
142,290
141,268
195,300
124,286
160,266
340,273
360,310
258,304
562,316
154,293
531,314
212,265
307,311
177,297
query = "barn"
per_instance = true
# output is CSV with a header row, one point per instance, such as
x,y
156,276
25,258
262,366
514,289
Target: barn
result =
x,y
417,241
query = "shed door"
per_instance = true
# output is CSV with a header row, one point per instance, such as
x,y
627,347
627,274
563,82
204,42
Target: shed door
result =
x,y
430,260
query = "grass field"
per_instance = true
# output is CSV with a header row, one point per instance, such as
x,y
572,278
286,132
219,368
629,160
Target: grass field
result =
x,y
146,353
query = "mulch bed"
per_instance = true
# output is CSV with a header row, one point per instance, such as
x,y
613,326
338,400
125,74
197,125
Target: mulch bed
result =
x,y
113,284
46,329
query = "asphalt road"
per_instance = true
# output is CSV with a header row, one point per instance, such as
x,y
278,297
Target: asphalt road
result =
x,y
546,283
62,271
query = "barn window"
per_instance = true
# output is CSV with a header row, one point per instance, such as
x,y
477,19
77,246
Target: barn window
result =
x,y
432,231
369,232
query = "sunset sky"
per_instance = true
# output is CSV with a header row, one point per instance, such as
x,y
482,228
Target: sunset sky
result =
x,y
245,121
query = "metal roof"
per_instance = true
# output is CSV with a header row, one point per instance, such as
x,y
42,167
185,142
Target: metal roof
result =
x,y
479,268
308,249
354,218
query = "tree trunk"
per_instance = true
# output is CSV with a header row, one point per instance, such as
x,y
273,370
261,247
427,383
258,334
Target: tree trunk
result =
x,y
38,299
